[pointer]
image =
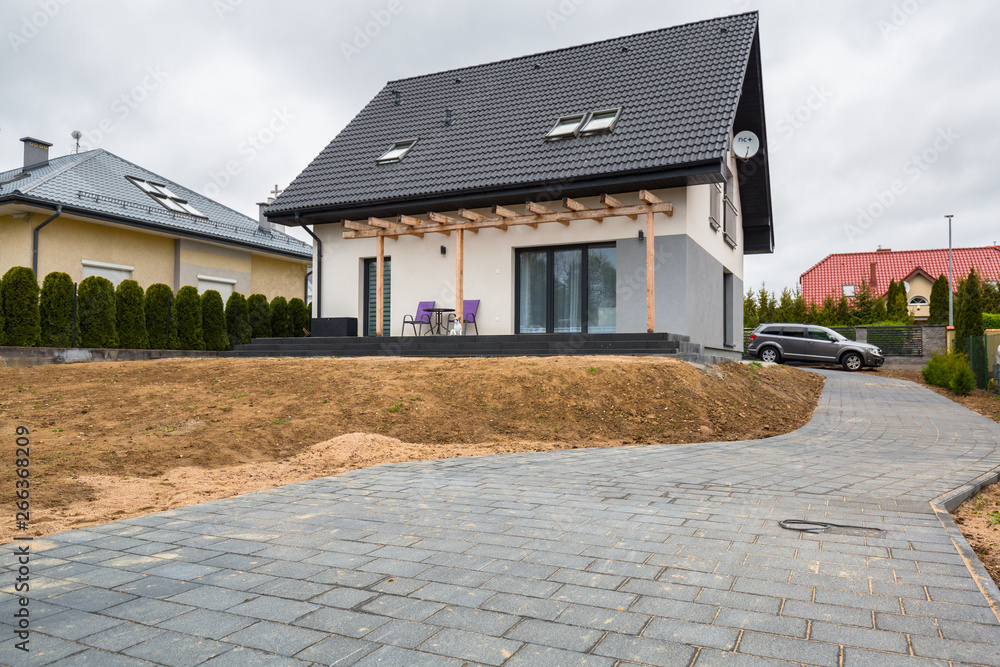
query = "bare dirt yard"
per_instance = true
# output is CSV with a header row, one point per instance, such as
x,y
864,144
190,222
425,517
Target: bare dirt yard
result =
x,y
115,440
978,518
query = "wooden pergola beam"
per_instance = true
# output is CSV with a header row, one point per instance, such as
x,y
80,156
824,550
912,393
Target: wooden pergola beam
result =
x,y
449,224
649,197
574,205
612,203
504,212
538,209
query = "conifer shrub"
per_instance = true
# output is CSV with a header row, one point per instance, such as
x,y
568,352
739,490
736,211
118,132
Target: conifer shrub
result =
x,y
950,371
237,320
991,320
20,307
158,308
131,317
280,322
188,334
96,313
260,316
213,321
55,309
963,380
298,313
3,337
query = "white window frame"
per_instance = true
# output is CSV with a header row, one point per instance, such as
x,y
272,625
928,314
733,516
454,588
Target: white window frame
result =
x,y
165,197
849,290
715,207
228,285
571,125
607,126
397,151
922,302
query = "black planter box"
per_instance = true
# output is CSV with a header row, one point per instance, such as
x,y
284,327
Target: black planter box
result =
x,y
334,326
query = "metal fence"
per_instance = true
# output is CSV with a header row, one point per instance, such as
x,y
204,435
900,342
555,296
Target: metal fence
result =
x,y
902,341
982,352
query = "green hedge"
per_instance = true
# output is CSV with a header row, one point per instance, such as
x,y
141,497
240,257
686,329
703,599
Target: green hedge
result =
x,y
96,313
280,322
951,371
56,310
131,316
158,307
260,316
20,307
213,321
298,313
991,320
187,314
237,320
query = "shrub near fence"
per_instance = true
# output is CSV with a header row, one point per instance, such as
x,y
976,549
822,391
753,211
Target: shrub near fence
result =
x,y
20,307
260,316
96,313
131,316
237,320
158,306
186,313
213,321
56,306
299,316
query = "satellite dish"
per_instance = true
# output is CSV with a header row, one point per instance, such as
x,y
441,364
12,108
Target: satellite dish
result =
x,y
76,134
746,145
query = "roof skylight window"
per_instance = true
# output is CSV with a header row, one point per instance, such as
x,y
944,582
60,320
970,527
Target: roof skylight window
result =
x,y
165,198
601,121
397,152
566,127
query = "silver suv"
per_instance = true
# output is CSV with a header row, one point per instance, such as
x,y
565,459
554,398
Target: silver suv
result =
x,y
812,344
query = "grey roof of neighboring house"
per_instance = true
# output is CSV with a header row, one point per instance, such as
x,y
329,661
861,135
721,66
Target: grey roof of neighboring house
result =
x,y
95,183
679,89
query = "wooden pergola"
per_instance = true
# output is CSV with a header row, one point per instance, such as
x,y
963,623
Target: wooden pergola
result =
x,y
503,218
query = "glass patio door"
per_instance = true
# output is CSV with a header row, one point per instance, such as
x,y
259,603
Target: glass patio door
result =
x,y
567,290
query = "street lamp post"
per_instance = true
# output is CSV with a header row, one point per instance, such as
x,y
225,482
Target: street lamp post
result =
x,y
951,278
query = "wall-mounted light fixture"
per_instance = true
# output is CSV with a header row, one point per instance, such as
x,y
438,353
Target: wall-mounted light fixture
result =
x,y
642,237
444,251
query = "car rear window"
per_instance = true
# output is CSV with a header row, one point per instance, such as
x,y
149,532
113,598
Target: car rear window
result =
x,y
796,332
771,331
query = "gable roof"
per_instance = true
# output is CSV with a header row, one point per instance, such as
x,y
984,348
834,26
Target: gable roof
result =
x,y
94,183
679,89
828,276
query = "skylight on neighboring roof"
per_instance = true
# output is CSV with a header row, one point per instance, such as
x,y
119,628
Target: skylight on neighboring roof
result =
x,y
601,121
397,152
567,126
165,198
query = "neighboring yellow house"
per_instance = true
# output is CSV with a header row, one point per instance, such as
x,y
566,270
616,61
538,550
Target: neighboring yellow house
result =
x,y
94,213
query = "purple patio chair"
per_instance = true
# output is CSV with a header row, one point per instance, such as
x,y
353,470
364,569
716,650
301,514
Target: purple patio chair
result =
x,y
422,318
469,309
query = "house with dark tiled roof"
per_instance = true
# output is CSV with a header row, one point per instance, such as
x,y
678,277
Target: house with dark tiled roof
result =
x,y
841,273
612,187
94,213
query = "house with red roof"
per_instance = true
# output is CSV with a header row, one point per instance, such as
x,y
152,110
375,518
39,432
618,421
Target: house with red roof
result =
x,y
840,274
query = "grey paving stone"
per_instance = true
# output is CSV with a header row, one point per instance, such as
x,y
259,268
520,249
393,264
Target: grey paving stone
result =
x,y
708,657
41,650
74,624
679,609
211,597
790,649
469,646
473,620
557,635
695,634
276,638
879,640
207,623
177,650
521,605
402,608
87,599
944,610
594,597
121,637
146,610
645,651
95,658
859,657
403,634
732,600
338,651
825,612
392,656
752,620
944,649
342,622
343,598
451,594
155,587
547,656
248,657
270,608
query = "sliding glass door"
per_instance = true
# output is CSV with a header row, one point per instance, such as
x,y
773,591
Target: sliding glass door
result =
x,y
566,289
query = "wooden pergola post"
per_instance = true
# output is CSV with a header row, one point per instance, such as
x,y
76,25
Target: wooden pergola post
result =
x,y
379,284
650,282
459,276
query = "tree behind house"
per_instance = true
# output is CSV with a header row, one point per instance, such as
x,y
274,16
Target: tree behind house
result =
x,y
131,316
55,309
97,313
968,310
938,308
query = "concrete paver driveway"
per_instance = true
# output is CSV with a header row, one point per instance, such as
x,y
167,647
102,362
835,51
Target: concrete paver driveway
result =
x,y
665,555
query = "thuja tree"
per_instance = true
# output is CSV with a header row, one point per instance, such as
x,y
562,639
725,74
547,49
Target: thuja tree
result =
x,y
187,314
96,313
158,308
896,303
55,308
298,315
131,317
939,301
213,321
260,316
969,307
237,320
279,317
20,307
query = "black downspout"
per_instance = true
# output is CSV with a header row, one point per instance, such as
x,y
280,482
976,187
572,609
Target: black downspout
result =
x,y
318,269
34,243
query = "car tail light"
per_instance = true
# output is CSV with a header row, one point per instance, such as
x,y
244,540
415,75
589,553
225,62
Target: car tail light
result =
x,y
752,336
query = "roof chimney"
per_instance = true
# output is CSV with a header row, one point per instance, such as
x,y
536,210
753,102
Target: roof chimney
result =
x,y
873,278
36,152
262,222
881,249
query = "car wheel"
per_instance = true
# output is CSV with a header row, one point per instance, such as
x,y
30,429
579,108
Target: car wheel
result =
x,y
770,355
852,361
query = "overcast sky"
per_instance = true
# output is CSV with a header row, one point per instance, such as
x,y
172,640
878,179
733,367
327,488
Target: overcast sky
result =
x,y
882,115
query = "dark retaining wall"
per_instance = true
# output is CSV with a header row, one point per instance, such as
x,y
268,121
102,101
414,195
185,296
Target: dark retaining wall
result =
x,y
39,356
